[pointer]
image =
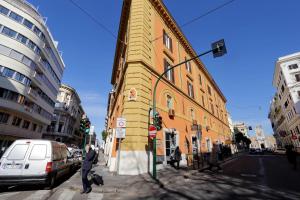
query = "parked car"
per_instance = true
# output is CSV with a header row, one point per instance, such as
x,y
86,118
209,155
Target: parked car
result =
x,y
259,151
280,151
34,162
76,156
252,151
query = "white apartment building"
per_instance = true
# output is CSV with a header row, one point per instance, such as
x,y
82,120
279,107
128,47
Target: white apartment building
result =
x,y
285,106
65,124
31,69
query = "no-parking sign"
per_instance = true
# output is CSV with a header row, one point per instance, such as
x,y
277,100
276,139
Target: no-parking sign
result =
x,y
121,122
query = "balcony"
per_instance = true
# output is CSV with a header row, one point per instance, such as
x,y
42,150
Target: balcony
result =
x,y
280,121
38,77
33,93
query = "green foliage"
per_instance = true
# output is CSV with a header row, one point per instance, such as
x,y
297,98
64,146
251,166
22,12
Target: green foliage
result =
x,y
104,135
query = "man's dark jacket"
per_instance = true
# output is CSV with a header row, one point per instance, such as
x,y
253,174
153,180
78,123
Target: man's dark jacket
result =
x,y
88,161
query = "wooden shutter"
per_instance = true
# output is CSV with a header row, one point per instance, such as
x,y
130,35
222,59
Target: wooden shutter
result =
x,y
164,37
171,45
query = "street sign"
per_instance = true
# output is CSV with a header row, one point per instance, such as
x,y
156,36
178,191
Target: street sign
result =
x,y
120,132
121,122
91,132
152,131
219,48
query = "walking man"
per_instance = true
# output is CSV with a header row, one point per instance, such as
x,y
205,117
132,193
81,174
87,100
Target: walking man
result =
x,y
86,168
214,157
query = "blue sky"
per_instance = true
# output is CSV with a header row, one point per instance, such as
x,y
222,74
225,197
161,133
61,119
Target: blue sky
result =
x,y
256,34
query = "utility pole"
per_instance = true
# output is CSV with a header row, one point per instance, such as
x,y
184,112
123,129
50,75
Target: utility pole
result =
x,y
218,49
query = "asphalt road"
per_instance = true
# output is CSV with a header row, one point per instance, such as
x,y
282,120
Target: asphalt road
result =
x,y
249,177
273,171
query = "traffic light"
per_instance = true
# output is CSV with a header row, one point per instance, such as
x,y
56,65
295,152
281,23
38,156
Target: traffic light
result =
x,y
82,125
87,126
158,121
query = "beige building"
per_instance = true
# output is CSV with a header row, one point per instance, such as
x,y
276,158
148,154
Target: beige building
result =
x,y
65,124
31,69
149,43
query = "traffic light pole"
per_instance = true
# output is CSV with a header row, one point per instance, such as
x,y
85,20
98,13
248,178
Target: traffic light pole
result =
x,y
154,102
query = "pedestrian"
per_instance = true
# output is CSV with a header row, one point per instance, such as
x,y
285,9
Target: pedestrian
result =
x,y
214,158
86,168
293,157
177,156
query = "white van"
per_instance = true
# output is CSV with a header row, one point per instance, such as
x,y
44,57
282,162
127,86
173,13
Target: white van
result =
x,y
34,162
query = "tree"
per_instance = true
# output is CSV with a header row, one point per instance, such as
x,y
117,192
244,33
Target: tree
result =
x,y
104,135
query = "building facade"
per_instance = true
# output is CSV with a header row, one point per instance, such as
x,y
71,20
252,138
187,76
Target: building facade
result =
x,y
65,124
31,69
261,141
241,127
285,106
149,42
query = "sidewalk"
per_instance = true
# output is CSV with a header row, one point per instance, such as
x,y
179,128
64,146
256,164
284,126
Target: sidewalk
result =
x,y
135,187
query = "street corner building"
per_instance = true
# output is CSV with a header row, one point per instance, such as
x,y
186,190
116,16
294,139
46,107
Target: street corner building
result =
x,y
31,69
191,104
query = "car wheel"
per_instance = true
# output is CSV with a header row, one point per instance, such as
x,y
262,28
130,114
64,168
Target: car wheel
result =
x,y
51,182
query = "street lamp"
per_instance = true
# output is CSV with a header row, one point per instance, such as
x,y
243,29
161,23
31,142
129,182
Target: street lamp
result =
x,y
218,49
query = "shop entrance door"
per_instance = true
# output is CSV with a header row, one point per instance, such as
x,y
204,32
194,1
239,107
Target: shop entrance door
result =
x,y
170,145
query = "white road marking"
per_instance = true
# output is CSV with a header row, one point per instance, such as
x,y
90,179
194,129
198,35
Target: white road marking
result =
x,y
7,195
248,175
40,194
66,194
93,196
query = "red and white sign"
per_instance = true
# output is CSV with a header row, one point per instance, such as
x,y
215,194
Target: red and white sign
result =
x,y
152,131
121,122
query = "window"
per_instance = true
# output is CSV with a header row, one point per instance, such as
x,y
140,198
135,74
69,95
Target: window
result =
x,y
60,127
3,118
18,152
16,121
37,30
15,17
188,66
8,72
167,40
38,152
298,93
209,90
293,66
4,50
22,38
26,124
169,102
3,10
212,108
9,32
203,102
297,76
31,45
34,126
28,24
200,79
286,104
170,74
190,89
282,88
16,55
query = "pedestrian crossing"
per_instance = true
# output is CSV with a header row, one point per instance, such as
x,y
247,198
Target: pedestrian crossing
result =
x,y
59,194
